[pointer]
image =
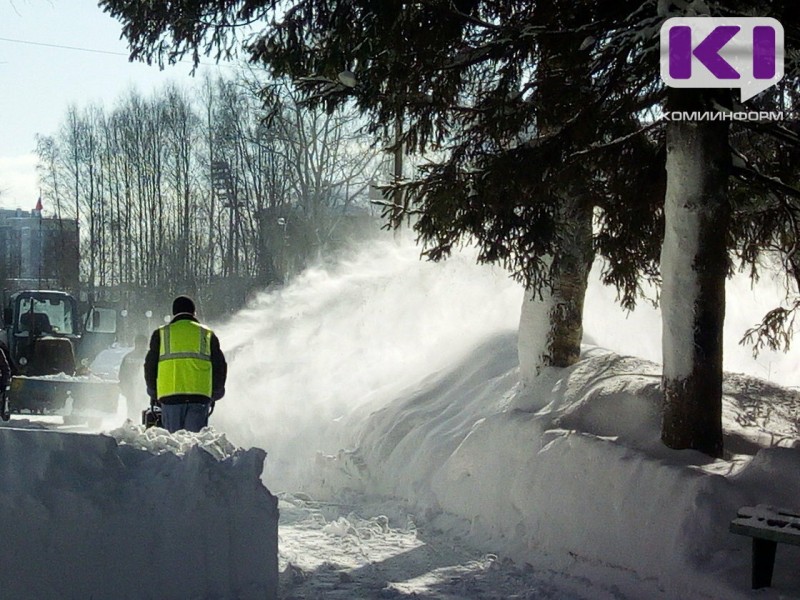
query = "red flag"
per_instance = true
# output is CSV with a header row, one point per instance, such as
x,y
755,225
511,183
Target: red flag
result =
x,y
39,204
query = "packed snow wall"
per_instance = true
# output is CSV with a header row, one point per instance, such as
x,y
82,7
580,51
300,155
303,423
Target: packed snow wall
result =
x,y
91,516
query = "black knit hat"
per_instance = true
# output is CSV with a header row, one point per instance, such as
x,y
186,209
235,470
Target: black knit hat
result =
x,y
183,304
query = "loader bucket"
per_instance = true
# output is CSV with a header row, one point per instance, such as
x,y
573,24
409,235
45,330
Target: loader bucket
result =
x,y
82,397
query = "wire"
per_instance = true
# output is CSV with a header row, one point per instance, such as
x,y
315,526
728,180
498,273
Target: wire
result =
x,y
79,49
30,43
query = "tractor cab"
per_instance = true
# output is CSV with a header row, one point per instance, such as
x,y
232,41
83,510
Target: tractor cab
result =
x,y
45,334
42,331
50,344
44,313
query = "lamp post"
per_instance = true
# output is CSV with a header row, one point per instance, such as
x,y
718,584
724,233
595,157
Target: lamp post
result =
x,y
223,183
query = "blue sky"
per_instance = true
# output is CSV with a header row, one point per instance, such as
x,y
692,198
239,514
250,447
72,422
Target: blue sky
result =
x,y
38,82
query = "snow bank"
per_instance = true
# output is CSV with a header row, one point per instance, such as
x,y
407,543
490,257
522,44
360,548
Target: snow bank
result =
x,y
573,468
134,514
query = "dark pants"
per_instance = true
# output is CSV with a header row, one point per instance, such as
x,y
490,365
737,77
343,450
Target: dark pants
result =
x,y
191,416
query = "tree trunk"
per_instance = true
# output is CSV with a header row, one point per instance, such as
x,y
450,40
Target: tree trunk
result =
x,y
551,324
551,321
694,268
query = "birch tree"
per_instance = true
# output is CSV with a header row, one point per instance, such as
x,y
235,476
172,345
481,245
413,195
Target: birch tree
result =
x,y
137,178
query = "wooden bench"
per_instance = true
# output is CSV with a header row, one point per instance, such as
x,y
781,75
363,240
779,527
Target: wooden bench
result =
x,y
767,526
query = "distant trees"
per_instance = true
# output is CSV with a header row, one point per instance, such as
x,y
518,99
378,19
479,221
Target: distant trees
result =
x,y
140,178
544,115
322,161
496,98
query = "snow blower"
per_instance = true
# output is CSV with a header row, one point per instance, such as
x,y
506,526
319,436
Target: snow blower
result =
x,y
151,416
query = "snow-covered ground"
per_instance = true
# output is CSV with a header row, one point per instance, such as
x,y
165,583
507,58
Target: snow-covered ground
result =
x,y
409,462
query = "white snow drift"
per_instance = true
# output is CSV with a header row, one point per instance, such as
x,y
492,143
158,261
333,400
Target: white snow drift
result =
x,y
133,515
573,468
370,356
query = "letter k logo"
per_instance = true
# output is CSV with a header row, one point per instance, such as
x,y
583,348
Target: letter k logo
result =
x,y
745,53
707,52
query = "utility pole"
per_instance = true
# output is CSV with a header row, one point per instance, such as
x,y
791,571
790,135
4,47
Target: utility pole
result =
x,y
38,211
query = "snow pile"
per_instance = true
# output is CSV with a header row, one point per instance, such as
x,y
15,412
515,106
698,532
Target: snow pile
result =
x,y
358,334
572,468
404,377
158,441
139,516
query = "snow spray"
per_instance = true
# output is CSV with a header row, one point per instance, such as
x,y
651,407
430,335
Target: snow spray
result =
x,y
348,336
638,333
354,335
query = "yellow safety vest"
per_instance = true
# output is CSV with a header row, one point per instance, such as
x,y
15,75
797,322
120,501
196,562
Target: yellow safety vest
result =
x,y
184,359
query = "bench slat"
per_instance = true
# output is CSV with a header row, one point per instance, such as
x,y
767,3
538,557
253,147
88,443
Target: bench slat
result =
x,y
775,534
767,526
768,523
766,512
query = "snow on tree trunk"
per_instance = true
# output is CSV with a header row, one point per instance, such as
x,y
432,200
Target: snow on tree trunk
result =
x,y
551,320
694,266
551,323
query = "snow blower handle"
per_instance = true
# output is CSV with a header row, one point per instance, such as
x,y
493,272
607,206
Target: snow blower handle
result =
x,y
151,417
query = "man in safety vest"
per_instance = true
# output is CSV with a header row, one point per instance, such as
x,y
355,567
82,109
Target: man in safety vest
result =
x,y
184,369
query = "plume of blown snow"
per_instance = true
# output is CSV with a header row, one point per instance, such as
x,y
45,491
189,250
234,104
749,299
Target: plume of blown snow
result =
x,y
362,330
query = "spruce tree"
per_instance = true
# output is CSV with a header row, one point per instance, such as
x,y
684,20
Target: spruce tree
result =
x,y
544,114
